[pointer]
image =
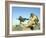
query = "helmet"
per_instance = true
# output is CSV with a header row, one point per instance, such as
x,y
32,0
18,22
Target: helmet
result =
x,y
32,14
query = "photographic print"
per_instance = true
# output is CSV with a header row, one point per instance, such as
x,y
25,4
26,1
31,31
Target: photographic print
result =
x,y
25,18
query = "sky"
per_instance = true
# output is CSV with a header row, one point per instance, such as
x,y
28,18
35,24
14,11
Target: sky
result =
x,y
24,12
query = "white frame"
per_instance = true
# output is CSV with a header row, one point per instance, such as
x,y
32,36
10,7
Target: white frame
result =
x,y
24,32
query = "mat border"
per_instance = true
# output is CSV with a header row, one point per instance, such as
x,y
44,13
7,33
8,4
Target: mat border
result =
x,y
7,19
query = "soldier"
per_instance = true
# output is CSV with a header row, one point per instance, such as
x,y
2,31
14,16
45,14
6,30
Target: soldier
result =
x,y
33,20
22,19
22,24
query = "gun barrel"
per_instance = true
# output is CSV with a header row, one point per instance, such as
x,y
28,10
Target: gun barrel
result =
x,y
26,19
